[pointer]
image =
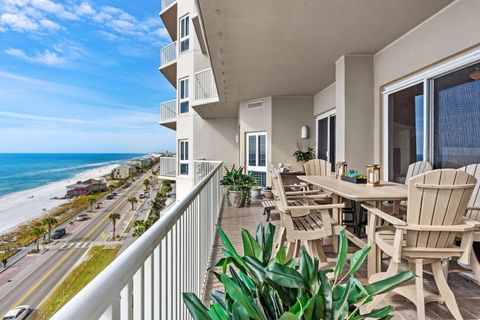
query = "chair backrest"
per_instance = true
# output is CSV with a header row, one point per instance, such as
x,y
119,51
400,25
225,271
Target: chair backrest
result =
x,y
279,187
317,167
473,210
437,198
417,168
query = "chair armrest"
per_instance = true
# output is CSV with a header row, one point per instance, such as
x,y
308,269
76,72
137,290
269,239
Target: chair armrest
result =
x,y
316,207
453,228
292,193
384,216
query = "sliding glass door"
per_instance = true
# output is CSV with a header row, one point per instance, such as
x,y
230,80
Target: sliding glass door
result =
x,y
405,130
326,138
442,127
456,118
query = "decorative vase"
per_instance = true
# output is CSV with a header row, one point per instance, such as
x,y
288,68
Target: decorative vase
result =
x,y
256,192
236,198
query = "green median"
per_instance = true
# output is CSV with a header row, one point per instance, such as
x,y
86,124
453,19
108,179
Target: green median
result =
x,y
97,259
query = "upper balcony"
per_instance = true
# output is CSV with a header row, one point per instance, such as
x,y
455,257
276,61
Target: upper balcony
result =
x,y
205,88
168,62
168,167
168,114
169,17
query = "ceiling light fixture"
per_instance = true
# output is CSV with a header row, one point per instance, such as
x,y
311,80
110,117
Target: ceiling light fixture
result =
x,y
475,74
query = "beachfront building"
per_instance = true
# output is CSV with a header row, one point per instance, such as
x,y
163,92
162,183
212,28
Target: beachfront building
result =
x,y
375,81
123,172
83,188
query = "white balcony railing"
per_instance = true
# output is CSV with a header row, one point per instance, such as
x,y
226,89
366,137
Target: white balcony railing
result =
x,y
168,110
168,166
166,3
168,54
205,87
201,168
147,279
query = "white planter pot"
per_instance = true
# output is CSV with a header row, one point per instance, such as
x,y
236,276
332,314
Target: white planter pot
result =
x,y
256,193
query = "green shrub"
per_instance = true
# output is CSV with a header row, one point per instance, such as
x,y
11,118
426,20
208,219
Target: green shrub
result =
x,y
264,286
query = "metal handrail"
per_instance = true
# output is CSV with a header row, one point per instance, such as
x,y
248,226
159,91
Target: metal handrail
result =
x,y
101,297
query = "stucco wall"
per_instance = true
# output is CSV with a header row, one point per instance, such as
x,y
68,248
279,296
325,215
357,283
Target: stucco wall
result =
x,y
449,33
324,100
289,114
215,140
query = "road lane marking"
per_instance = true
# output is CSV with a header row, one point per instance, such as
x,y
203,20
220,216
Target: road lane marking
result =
x,y
58,264
42,280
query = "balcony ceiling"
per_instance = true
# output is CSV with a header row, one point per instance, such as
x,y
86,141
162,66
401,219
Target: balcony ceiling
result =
x,y
284,47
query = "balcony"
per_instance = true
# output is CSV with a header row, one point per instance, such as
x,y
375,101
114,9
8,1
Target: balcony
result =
x,y
205,88
168,62
168,114
169,17
168,167
147,279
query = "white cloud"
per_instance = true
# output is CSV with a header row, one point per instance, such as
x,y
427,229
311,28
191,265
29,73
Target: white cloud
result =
x,y
18,22
123,26
40,118
85,9
50,25
54,8
46,57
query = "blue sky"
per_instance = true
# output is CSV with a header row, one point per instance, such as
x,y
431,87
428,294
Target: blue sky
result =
x,y
82,76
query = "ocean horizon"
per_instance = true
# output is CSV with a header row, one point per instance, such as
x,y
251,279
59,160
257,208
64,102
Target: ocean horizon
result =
x,y
23,171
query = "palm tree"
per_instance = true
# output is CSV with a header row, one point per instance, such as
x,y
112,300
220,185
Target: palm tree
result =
x,y
114,217
37,232
133,201
91,201
146,182
49,221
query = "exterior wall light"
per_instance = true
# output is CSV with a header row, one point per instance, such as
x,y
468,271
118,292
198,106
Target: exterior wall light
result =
x,y
304,133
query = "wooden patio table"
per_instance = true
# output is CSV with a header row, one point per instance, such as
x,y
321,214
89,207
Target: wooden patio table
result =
x,y
386,191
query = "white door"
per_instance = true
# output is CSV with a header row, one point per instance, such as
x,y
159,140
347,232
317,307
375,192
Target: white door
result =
x,y
257,156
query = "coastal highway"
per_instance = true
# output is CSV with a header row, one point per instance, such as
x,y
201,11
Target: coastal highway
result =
x,y
34,285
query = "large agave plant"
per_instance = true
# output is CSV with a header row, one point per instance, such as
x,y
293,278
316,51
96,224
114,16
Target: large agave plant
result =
x,y
263,286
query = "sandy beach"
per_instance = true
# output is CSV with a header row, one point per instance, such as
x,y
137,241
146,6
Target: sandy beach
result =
x,y
19,207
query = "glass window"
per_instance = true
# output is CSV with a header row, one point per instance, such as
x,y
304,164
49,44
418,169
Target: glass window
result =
x,y
405,130
257,156
184,34
456,117
183,159
184,96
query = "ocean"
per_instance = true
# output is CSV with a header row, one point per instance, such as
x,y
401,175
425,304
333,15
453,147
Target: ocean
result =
x,y
22,171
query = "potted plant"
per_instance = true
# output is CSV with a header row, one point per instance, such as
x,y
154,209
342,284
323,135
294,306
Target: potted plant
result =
x,y
234,180
302,154
263,285
267,192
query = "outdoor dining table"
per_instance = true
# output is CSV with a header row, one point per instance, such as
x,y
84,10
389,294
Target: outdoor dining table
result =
x,y
360,193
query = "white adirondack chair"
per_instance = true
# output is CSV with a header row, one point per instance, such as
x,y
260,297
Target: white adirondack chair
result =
x,y
317,167
306,222
437,201
472,216
414,169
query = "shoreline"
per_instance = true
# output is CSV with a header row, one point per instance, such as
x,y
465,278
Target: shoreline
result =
x,y
16,208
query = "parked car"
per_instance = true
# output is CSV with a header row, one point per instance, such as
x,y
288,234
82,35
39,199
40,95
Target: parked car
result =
x,y
58,233
110,197
81,217
19,313
141,196
114,194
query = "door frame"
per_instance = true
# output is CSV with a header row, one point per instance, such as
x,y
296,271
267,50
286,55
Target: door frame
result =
x,y
326,115
247,144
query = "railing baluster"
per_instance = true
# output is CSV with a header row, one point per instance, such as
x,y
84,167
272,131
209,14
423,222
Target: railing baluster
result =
x,y
138,295
157,282
126,310
148,288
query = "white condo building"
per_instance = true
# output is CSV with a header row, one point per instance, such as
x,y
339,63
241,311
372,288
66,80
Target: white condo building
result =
x,y
385,82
